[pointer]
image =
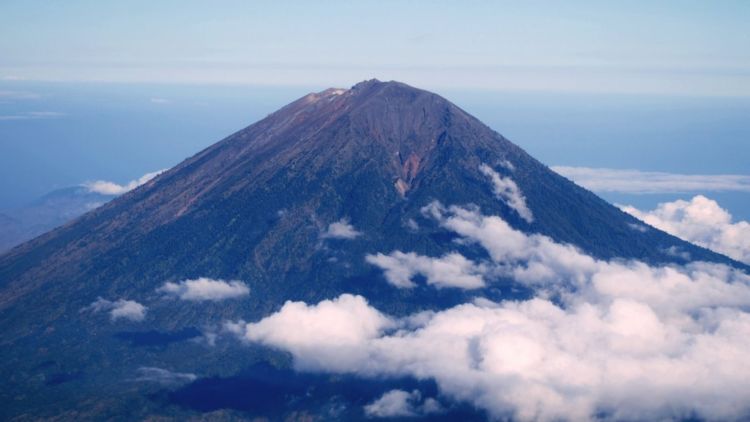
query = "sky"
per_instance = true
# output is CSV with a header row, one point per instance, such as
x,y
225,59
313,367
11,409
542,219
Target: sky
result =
x,y
667,47
112,91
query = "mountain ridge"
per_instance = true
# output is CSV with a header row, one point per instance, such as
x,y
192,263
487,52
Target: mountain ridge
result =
x,y
291,206
376,117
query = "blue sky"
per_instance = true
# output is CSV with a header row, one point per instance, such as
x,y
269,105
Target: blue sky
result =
x,y
666,47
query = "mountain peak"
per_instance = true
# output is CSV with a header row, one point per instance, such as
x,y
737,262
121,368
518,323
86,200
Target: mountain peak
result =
x,y
374,87
401,119
368,83
362,90
389,97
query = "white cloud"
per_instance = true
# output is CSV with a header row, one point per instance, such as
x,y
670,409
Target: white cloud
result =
x,y
163,376
340,230
643,182
393,404
45,114
110,188
638,227
701,221
451,270
120,309
400,403
205,289
32,115
533,259
18,95
622,341
508,165
157,100
331,334
507,190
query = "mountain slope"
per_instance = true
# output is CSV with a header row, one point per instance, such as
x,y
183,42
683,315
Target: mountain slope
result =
x,y
258,207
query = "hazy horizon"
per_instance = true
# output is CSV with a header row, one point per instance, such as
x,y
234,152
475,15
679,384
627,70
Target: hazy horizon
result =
x,y
670,47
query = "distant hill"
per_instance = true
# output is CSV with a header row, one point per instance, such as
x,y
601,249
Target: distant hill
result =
x,y
47,212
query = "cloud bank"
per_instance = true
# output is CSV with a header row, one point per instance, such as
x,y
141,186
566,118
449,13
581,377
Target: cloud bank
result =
x,y
601,339
110,188
205,289
340,230
645,182
701,221
507,190
120,309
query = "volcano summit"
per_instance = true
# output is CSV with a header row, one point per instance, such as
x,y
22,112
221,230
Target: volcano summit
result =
x,y
377,205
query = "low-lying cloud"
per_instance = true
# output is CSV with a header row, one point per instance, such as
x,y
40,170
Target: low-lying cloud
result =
x,y
451,270
18,95
32,115
401,404
341,229
507,190
119,309
618,340
531,259
110,188
701,221
205,289
163,376
646,182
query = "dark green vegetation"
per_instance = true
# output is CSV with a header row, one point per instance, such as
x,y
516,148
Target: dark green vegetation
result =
x,y
252,207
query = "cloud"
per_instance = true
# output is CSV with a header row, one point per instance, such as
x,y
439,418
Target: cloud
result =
x,y
120,309
163,376
18,95
451,270
160,101
507,190
205,289
508,165
644,182
400,403
340,230
33,115
110,188
332,334
531,259
618,340
701,221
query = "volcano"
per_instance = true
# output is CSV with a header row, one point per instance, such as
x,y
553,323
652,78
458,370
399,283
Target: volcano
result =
x,y
289,207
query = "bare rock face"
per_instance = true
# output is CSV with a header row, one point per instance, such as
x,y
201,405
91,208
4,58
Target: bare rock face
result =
x,y
257,207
